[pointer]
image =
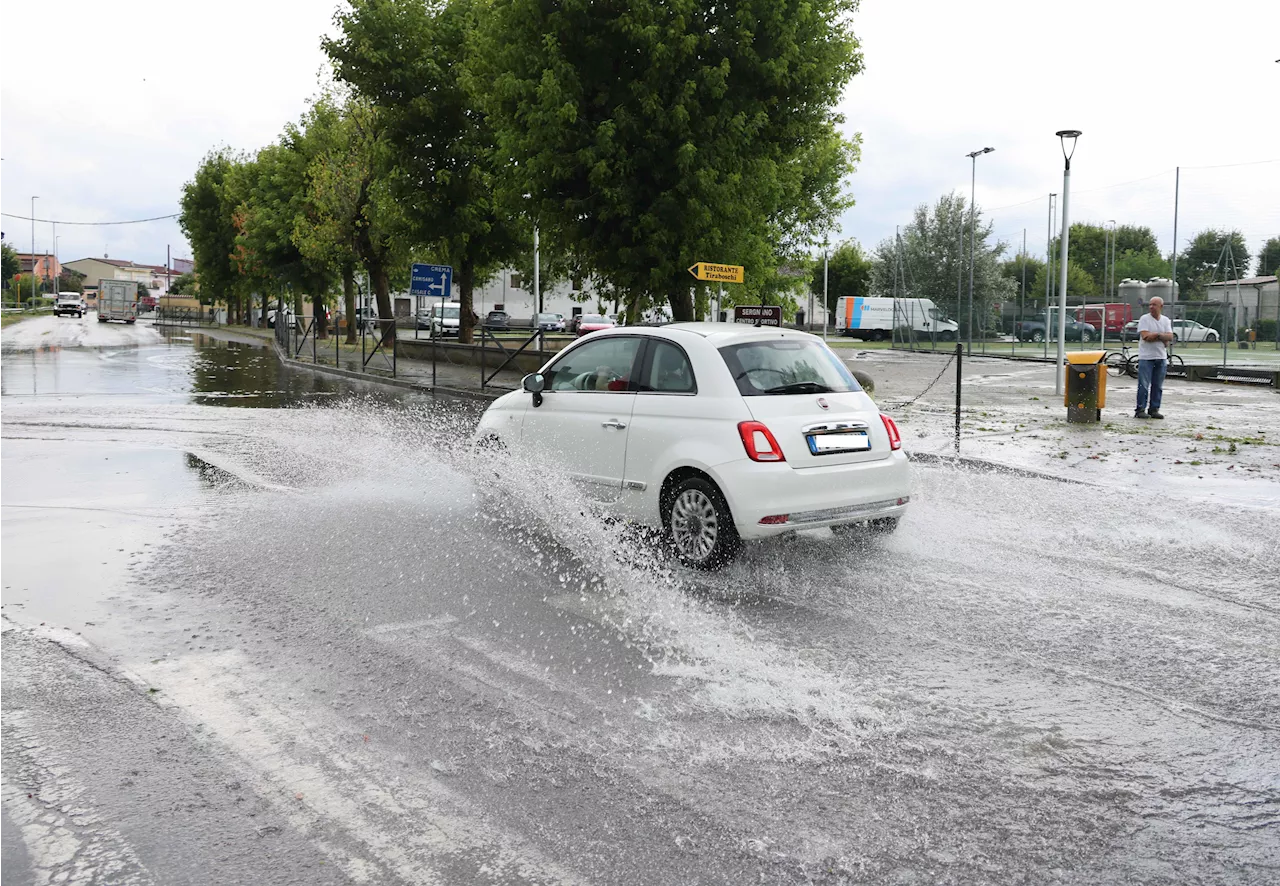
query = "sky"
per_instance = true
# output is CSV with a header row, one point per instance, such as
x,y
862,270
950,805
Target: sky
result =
x,y
101,137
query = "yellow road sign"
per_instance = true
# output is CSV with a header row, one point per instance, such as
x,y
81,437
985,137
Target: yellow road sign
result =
x,y
705,270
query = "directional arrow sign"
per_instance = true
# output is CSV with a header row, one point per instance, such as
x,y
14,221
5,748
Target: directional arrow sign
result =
x,y
433,281
705,270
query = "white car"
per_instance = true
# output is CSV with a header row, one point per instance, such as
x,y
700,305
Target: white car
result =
x,y
712,432
1190,330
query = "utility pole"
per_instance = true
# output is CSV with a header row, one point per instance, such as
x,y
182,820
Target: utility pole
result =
x,y
33,250
1177,183
1063,135
826,301
973,180
537,271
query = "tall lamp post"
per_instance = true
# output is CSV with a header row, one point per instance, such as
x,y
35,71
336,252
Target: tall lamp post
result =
x,y
33,249
1067,151
973,181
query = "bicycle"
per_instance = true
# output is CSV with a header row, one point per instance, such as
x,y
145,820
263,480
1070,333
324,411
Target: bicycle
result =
x,y
1125,362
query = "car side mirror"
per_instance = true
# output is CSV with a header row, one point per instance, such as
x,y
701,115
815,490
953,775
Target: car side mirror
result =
x,y
535,383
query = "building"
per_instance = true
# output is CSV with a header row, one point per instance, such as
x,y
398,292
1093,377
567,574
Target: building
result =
x,y
95,269
1254,299
47,267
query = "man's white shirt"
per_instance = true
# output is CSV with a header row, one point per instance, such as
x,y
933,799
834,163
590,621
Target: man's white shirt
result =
x,y
1152,350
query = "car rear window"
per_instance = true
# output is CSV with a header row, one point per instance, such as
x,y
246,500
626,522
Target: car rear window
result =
x,y
786,366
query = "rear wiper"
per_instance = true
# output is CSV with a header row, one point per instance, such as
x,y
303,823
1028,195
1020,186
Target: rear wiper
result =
x,y
801,387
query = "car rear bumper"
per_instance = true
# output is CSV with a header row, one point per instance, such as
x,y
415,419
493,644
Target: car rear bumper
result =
x,y
812,498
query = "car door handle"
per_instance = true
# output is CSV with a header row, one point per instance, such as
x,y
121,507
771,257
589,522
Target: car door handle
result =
x,y
613,423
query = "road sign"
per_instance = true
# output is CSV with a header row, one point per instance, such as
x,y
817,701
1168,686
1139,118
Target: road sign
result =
x,y
705,270
760,315
434,281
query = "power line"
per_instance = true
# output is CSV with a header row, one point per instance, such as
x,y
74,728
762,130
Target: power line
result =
x,y
132,221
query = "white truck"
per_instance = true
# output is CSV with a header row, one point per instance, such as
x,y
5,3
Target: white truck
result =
x,y
117,300
876,318
68,303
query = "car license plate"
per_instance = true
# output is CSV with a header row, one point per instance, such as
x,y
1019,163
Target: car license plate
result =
x,y
856,441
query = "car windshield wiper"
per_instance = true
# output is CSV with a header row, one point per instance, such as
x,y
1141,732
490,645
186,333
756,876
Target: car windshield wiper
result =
x,y
801,387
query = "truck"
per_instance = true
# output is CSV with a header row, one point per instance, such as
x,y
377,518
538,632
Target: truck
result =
x,y
876,318
68,303
1109,317
117,300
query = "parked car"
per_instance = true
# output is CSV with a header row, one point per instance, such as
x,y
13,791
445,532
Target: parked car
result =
x,y
1190,330
548,322
713,433
588,323
497,320
290,320
1034,329
1130,331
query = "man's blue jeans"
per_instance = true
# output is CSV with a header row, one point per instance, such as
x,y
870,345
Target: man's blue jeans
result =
x,y
1151,379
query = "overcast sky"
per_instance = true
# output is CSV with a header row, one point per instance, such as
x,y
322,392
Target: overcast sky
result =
x,y
106,138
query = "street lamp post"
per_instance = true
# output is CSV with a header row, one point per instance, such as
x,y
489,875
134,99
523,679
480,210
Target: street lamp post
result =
x,y
973,181
1067,152
33,249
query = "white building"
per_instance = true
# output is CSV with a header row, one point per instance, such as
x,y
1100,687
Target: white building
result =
x,y
1253,298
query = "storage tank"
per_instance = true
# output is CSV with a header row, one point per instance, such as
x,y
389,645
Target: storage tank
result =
x,y
1162,287
1133,292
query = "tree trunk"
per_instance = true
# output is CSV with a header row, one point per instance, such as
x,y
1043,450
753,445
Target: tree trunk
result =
x,y
321,326
681,300
349,301
386,319
466,316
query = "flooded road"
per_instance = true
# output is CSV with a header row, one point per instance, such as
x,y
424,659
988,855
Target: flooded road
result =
x,y
315,640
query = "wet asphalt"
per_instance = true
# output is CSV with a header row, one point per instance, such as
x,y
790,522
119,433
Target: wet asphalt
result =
x,y
266,627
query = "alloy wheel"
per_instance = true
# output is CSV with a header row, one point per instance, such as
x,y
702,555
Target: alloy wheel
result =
x,y
695,525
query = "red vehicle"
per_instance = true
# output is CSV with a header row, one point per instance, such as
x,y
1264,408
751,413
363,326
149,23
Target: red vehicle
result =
x,y
593,323
1116,314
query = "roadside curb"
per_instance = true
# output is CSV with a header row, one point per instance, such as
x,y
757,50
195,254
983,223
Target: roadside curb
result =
x,y
378,379
983,466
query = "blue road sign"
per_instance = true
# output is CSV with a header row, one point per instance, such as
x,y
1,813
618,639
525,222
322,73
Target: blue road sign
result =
x,y
431,281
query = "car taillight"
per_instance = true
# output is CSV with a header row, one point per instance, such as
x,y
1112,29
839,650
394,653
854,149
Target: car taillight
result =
x,y
759,442
891,428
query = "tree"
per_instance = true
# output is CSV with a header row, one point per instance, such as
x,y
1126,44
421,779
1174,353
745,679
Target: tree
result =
x,y
1034,267
407,58
1131,265
350,215
143,290
10,265
930,259
651,135
71,281
1206,260
184,284
848,270
1269,258
1080,285
1090,249
209,204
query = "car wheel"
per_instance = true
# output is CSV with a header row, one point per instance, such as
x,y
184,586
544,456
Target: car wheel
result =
x,y
1037,336
1211,337
700,526
1086,335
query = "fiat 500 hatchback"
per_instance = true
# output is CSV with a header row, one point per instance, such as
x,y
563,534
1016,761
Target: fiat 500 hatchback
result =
x,y
711,432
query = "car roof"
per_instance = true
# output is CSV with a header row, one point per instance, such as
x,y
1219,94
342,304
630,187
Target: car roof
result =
x,y
716,334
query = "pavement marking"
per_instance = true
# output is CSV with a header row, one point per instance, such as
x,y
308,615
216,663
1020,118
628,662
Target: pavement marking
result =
x,y
411,828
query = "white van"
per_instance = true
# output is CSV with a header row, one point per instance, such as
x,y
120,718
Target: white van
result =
x,y
876,318
446,318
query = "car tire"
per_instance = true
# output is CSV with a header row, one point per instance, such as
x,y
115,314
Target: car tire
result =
x,y
1211,337
699,525
1086,336
1037,336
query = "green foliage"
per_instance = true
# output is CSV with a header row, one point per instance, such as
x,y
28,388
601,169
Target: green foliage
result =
x,y
652,135
1079,283
70,281
408,59
10,265
209,204
1269,258
184,284
1090,246
931,260
23,286
849,271
1035,269
1206,260
1133,265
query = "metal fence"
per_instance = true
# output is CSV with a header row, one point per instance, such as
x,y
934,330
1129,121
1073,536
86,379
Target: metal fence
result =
x,y
375,354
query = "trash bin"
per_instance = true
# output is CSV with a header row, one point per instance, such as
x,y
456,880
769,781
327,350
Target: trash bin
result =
x,y
1086,387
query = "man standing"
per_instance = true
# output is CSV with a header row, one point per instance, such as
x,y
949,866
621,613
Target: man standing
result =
x,y
1154,330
